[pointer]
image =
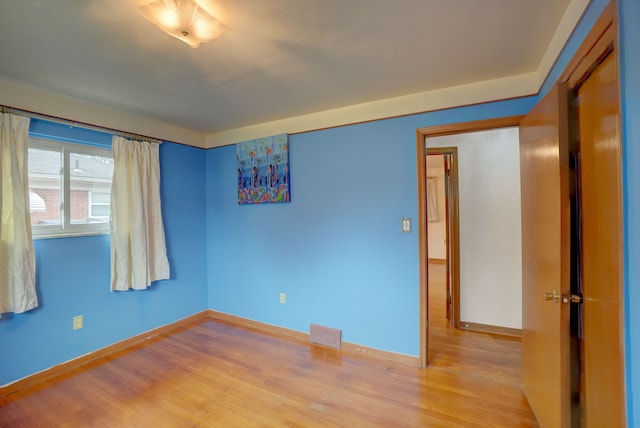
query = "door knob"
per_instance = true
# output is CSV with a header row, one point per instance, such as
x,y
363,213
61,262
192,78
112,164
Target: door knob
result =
x,y
552,295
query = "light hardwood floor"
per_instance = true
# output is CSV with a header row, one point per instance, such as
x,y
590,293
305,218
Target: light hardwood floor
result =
x,y
475,354
220,375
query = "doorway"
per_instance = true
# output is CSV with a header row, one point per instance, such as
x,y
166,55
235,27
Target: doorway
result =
x,y
422,135
443,232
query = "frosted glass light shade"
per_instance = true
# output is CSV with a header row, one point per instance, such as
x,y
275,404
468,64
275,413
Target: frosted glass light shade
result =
x,y
186,20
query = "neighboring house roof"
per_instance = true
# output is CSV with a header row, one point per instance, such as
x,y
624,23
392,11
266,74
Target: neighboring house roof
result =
x,y
48,162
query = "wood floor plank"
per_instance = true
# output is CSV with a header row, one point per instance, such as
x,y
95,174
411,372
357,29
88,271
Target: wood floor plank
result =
x,y
220,375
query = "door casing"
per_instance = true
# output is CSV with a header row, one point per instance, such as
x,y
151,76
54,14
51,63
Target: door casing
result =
x,y
421,135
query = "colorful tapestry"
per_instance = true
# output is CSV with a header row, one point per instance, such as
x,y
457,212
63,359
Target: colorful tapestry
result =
x,y
263,170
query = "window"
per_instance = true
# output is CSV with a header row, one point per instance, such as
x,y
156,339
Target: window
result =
x,y
99,206
69,188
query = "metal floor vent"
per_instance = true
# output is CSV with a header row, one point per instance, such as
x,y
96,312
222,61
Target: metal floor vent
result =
x,y
325,336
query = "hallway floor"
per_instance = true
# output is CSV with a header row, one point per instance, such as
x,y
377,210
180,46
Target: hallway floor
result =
x,y
476,354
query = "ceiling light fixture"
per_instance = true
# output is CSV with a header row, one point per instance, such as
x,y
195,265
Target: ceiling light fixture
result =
x,y
186,20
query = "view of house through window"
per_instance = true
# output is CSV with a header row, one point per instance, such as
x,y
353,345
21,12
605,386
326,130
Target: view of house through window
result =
x,y
69,188
44,186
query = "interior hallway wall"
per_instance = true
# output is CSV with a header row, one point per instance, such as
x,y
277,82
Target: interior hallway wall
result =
x,y
490,234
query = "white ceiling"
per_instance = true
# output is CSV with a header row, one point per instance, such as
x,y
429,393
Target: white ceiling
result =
x,y
279,58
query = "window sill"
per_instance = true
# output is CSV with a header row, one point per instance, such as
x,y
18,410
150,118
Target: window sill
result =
x,y
67,234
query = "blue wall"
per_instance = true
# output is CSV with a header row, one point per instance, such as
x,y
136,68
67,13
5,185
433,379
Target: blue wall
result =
x,y
337,249
73,277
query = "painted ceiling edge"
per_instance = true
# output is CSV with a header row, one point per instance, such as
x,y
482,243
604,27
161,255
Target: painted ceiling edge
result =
x,y
73,110
474,93
457,96
570,20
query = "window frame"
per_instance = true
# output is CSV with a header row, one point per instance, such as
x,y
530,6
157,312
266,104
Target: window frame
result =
x,y
66,228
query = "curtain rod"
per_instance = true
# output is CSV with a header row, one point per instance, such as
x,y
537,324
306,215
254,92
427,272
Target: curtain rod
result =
x,y
75,123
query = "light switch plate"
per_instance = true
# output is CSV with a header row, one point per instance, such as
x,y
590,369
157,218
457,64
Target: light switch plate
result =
x,y
406,225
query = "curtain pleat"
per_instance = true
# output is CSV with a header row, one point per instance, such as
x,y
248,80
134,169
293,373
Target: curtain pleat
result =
x,y
138,248
17,259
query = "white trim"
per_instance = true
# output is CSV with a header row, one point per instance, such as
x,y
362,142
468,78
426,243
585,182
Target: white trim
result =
x,y
38,100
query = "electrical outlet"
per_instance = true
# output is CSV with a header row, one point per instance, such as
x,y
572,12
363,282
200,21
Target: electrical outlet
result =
x,y
77,322
283,298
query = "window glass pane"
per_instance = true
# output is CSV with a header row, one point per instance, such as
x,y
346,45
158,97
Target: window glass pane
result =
x,y
44,186
70,187
100,211
88,173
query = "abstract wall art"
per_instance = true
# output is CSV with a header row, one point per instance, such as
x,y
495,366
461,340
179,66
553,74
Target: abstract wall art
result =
x,y
263,170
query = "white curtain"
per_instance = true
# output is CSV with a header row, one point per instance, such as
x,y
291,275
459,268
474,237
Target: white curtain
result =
x,y
138,249
432,199
17,259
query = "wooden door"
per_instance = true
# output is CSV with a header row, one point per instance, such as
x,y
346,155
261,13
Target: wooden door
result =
x,y
597,105
546,263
